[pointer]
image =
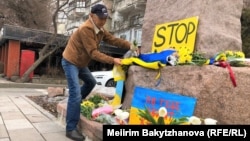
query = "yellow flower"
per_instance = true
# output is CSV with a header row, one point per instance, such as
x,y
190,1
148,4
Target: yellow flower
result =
x,y
207,62
221,57
229,53
87,104
240,54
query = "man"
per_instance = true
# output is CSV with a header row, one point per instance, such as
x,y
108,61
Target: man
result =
x,y
82,47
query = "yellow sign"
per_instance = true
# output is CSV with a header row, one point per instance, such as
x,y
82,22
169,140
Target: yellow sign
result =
x,y
179,35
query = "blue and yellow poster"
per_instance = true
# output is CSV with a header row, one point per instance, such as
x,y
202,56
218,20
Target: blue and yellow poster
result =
x,y
177,105
179,35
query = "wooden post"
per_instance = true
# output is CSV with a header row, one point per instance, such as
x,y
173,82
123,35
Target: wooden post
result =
x,y
13,58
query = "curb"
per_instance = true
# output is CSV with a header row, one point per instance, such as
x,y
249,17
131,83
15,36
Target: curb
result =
x,y
29,85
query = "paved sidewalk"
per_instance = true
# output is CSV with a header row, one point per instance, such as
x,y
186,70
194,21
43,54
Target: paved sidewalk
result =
x,y
9,84
23,120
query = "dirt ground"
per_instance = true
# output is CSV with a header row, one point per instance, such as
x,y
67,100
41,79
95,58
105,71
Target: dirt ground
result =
x,y
44,102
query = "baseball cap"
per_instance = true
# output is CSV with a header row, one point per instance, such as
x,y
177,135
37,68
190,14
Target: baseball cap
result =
x,y
100,10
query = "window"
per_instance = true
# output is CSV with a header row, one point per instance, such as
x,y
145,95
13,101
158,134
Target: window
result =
x,y
137,36
80,4
123,37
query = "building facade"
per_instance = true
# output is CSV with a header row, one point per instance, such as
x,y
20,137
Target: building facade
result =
x,y
125,20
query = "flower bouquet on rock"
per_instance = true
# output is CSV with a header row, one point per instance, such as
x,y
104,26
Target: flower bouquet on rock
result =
x,y
234,58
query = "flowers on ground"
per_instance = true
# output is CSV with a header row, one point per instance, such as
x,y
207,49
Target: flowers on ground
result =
x,y
98,108
121,116
87,106
210,121
161,118
193,120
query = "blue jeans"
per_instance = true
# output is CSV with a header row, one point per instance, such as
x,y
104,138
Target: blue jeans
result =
x,y
76,92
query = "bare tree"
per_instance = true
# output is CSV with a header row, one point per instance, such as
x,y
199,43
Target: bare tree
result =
x,y
26,13
47,50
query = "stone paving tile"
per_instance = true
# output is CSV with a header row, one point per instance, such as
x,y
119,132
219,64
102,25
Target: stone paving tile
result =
x,y
48,127
25,106
4,139
29,110
58,136
33,118
4,99
17,124
26,135
12,115
1,119
23,120
18,100
11,108
6,105
3,131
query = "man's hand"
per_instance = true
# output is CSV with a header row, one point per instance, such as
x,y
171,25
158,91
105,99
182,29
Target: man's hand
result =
x,y
117,61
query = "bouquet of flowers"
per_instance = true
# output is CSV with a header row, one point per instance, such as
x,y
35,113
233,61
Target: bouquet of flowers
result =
x,y
98,108
161,118
234,58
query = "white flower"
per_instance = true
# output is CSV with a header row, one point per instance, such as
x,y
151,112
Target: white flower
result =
x,y
193,120
210,121
118,112
123,116
162,112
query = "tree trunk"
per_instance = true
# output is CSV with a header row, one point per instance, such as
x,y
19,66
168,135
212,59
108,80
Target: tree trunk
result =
x,y
44,53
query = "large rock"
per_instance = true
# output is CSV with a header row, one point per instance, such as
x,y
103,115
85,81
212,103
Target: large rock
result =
x,y
219,26
216,96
